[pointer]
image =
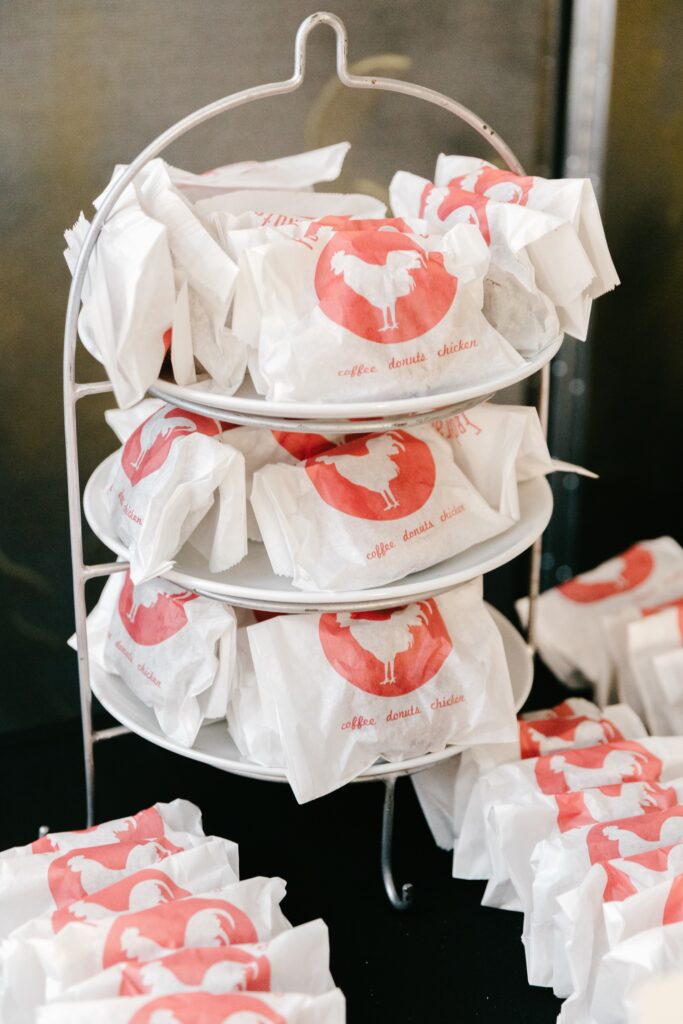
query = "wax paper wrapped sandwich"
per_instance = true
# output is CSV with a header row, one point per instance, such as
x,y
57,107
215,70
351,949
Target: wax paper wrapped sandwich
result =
x,y
380,507
174,650
183,478
173,482
367,309
144,918
549,256
329,694
321,295
159,283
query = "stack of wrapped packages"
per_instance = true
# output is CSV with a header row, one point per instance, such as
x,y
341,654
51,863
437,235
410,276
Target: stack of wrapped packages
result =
x,y
144,920
246,278
320,297
578,824
394,684
619,630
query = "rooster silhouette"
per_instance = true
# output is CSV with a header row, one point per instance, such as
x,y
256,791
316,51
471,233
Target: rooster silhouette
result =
x,y
160,426
633,798
587,734
617,766
207,927
147,594
224,976
95,876
631,843
374,469
643,876
145,894
385,639
382,285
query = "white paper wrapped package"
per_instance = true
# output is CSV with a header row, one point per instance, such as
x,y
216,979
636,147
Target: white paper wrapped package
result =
x,y
561,264
573,724
647,640
375,310
517,827
624,630
195,309
668,671
173,481
570,619
128,298
567,773
295,961
497,447
150,823
513,302
252,714
157,279
445,791
99,881
38,970
580,939
351,687
202,1008
562,860
259,448
658,908
640,980
370,511
40,884
265,447
173,648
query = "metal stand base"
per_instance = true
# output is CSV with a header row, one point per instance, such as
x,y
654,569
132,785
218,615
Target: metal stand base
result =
x,y
405,900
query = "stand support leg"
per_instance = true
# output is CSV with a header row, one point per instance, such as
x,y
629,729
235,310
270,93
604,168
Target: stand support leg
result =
x,y
543,405
405,899
89,763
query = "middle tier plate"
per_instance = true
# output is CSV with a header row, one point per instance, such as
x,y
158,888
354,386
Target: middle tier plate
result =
x,y
253,584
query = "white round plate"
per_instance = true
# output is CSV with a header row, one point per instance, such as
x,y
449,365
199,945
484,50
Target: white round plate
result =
x,y
253,584
205,396
215,746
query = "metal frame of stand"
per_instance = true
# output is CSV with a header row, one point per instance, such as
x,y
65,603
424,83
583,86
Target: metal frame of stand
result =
x,y
74,391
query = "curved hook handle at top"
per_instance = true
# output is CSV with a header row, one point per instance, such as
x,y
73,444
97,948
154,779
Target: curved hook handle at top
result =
x,y
237,100
302,34
419,92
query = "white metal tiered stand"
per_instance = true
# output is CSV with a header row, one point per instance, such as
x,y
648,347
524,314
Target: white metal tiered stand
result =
x,y
252,584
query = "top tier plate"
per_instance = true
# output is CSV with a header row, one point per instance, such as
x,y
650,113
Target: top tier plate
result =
x,y
246,407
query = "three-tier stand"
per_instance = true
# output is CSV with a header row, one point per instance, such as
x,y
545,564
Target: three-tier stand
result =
x,y
252,584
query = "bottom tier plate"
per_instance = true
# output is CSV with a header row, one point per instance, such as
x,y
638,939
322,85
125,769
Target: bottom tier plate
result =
x,y
214,744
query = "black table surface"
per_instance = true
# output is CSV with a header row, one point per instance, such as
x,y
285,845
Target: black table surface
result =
x,y
447,958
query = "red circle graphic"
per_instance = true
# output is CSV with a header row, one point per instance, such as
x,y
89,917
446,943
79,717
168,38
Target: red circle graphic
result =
x,y
302,446
148,447
193,921
380,477
636,565
206,1008
381,285
387,653
152,612
503,186
442,202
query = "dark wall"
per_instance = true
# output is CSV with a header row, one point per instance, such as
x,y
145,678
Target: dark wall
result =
x,y
635,428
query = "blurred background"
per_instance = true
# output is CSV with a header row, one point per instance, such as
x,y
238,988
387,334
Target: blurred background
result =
x,y
589,87
576,87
